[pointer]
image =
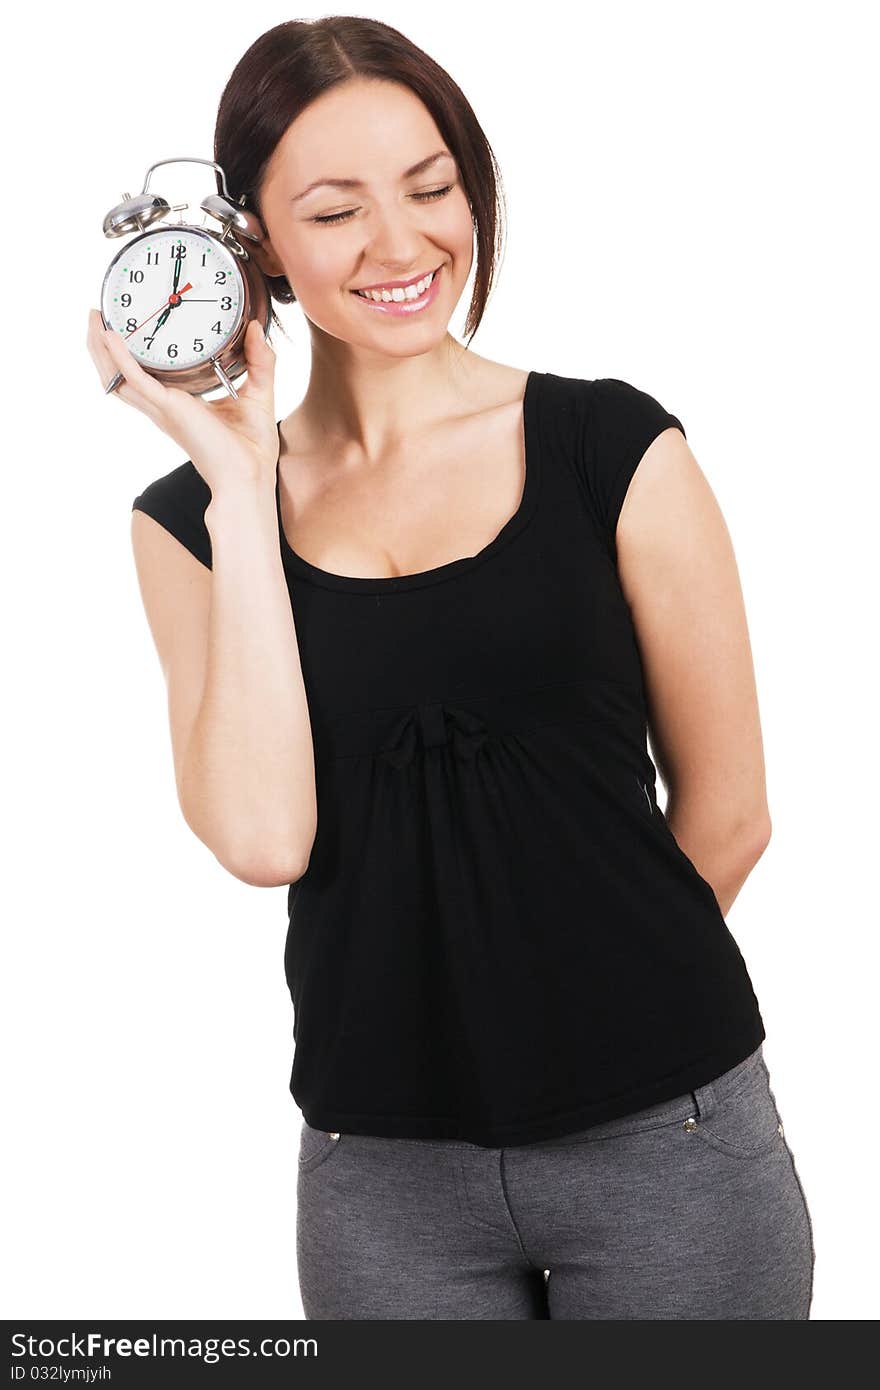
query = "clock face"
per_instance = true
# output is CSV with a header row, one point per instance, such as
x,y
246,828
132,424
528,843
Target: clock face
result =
x,y
175,296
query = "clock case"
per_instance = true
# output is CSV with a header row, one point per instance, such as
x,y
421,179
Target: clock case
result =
x,y
238,227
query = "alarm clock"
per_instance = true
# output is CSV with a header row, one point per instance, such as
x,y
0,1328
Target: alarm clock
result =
x,y
182,296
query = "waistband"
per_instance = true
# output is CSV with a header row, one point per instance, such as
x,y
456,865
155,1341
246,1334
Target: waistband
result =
x,y
702,1100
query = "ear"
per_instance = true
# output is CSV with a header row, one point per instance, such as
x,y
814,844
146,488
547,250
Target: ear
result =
x,y
266,258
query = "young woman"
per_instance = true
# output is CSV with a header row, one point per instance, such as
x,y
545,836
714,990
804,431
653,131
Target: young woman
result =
x,y
414,635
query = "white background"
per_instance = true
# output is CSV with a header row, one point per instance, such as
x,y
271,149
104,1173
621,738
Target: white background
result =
x,y
688,205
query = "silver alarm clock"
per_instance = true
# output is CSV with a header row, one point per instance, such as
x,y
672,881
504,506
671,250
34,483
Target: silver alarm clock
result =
x,y
182,296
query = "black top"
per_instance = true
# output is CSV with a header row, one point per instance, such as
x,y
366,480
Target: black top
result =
x,y
498,938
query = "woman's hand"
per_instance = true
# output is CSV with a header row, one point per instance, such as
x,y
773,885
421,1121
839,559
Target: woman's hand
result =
x,y
225,438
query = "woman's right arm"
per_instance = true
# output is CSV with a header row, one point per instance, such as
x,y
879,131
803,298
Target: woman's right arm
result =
x,y
240,730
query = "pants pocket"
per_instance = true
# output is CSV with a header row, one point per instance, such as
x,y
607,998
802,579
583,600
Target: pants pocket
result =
x,y
741,1119
315,1147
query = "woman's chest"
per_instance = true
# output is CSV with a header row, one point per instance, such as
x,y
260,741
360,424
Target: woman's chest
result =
x,y
438,501
544,606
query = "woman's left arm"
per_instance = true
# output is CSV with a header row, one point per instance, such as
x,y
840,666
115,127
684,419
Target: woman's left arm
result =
x,y
679,577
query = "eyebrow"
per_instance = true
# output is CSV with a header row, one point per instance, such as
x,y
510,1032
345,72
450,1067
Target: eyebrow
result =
x,y
419,168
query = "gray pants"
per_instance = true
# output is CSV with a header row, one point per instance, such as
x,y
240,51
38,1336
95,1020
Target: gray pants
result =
x,y
690,1209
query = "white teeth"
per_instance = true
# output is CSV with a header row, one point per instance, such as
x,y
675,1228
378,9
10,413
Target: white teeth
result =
x,y
387,296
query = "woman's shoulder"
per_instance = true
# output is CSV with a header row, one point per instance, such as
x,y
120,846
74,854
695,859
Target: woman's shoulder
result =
x,y
183,487
608,399
178,500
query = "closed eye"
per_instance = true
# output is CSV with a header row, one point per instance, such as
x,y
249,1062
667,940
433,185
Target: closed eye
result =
x,y
424,197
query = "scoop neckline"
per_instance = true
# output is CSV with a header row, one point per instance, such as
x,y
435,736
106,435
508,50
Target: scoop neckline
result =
x,y
371,584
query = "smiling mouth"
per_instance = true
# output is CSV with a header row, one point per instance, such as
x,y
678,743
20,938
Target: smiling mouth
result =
x,y
401,295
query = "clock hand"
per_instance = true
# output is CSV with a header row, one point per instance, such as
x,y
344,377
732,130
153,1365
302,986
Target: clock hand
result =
x,y
171,305
165,304
176,272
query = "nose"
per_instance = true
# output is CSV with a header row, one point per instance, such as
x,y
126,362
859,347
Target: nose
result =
x,y
395,246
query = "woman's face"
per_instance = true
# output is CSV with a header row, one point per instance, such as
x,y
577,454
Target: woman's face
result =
x,y
393,225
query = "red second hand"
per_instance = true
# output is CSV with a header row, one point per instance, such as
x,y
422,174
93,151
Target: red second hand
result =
x,y
170,300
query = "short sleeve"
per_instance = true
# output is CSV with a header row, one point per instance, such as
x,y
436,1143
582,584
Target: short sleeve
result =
x,y
178,502
621,422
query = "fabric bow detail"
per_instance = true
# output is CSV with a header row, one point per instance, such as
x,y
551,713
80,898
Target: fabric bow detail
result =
x,y
433,725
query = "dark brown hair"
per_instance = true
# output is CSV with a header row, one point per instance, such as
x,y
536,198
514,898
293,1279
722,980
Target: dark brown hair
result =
x,y
292,64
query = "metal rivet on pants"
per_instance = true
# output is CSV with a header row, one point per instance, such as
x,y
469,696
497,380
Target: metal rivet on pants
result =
x,y
690,1122
779,1128
334,1136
